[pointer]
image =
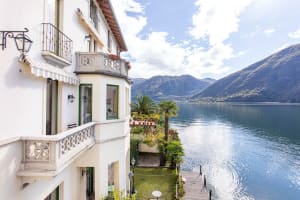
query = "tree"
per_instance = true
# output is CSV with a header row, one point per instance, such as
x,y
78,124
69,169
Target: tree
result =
x,y
144,105
174,152
167,109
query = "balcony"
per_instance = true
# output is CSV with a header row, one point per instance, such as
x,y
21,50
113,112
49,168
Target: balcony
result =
x,y
101,63
45,156
56,46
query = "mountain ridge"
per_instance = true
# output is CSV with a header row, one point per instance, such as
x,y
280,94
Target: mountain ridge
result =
x,y
275,78
169,87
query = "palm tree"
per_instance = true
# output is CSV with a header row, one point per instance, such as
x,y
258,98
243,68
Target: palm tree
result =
x,y
168,109
174,152
144,105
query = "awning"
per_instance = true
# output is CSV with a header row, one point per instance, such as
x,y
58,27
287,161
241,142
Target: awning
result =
x,y
49,71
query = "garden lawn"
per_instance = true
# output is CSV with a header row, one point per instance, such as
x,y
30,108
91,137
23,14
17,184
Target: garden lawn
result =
x,y
149,179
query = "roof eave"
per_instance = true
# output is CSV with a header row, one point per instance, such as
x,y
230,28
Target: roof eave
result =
x,y
108,12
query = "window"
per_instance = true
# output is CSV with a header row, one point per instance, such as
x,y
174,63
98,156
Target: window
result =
x,y
90,178
118,51
108,40
112,98
51,107
127,101
54,12
54,195
92,46
94,14
85,104
113,177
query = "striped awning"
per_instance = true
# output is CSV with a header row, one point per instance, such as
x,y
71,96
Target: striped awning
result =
x,y
46,70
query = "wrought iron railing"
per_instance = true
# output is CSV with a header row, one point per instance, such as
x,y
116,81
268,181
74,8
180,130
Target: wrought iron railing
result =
x,y
53,152
103,63
56,42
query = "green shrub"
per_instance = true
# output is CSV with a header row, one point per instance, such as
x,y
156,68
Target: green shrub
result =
x,y
137,130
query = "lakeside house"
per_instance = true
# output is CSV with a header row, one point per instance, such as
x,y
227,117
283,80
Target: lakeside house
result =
x,y
65,104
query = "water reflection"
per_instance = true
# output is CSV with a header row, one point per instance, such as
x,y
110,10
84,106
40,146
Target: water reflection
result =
x,y
247,151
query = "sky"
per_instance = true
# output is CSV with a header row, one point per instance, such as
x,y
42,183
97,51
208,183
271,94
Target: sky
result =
x,y
204,38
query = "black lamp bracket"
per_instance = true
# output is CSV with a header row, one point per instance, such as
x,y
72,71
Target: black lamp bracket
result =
x,y
9,34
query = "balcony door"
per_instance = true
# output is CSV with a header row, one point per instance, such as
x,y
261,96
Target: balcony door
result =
x,y
90,191
54,18
54,12
85,104
51,107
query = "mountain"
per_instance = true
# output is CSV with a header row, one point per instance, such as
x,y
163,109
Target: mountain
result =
x,y
273,79
169,87
137,81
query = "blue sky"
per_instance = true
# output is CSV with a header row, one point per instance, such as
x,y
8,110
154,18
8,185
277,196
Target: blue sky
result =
x,y
204,38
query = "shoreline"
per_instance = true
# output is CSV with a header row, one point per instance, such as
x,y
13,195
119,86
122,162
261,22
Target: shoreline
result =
x,y
242,103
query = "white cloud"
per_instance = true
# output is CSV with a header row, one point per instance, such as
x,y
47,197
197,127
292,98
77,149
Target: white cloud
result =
x,y
295,35
156,53
130,26
269,31
241,53
215,20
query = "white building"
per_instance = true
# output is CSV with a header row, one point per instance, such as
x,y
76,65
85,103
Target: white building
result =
x,y
64,130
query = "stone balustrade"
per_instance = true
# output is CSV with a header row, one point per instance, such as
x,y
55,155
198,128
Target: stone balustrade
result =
x,y
53,153
101,63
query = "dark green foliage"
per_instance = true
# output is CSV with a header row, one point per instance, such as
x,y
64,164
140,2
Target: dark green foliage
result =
x,y
274,79
144,105
174,153
134,141
167,109
137,130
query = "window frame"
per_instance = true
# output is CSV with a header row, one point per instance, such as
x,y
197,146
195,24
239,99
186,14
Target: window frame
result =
x,y
117,102
79,101
94,19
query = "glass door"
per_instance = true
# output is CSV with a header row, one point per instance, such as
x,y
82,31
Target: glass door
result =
x,y
85,104
90,193
51,107
53,13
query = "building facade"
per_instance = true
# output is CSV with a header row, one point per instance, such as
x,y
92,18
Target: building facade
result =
x,y
65,104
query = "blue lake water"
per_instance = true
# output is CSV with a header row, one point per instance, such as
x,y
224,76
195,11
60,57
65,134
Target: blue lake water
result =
x,y
246,151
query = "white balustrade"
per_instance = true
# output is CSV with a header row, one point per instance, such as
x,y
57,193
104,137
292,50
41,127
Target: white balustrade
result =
x,y
53,152
101,63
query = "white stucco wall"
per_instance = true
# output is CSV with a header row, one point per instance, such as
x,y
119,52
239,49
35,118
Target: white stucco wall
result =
x,y
23,104
11,185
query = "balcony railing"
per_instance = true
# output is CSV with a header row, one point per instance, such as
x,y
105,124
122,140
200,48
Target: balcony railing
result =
x,y
57,43
50,154
101,63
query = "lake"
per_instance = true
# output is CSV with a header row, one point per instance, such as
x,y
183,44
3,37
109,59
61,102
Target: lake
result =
x,y
246,151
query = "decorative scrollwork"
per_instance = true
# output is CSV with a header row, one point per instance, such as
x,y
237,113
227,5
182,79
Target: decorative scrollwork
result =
x,y
37,151
112,65
87,60
70,142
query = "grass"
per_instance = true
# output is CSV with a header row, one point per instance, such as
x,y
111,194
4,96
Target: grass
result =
x,y
149,179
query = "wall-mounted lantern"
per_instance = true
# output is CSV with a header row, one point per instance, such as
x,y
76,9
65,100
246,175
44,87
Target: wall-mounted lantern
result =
x,y
71,98
23,42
